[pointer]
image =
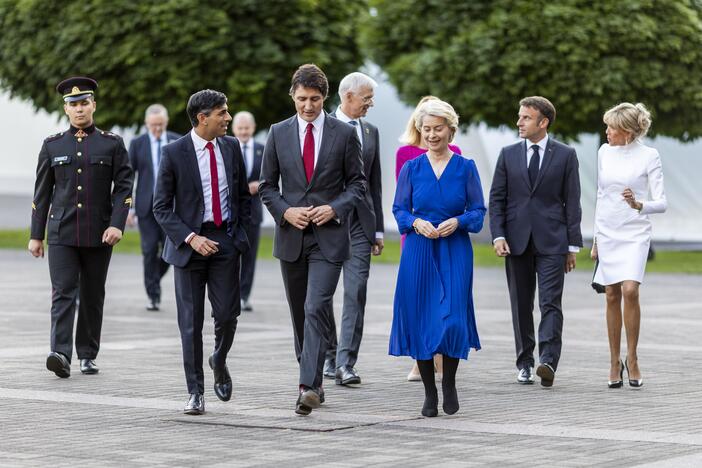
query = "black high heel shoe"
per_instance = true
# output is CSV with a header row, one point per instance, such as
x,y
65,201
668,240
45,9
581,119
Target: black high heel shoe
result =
x,y
618,383
635,383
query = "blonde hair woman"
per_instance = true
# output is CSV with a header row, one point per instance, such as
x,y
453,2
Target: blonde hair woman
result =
x,y
627,171
438,201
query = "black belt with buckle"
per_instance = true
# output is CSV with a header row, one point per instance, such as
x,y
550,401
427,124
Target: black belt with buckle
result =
x,y
210,226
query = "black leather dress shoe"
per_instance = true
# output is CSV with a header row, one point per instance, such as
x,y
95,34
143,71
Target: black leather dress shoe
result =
x,y
153,306
329,368
346,375
526,375
58,364
308,400
195,405
222,381
87,366
547,374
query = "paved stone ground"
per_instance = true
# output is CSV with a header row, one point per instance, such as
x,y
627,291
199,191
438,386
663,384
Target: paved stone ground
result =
x,y
130,413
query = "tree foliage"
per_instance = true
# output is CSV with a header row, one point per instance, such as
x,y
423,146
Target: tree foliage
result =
x,y
164,50
586,56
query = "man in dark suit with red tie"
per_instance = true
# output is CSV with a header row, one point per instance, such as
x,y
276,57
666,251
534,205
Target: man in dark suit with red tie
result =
x,y
311,179
244,127
145,156
203,204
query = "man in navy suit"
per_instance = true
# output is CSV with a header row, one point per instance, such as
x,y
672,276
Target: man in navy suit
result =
x,y
145,155
203,204
243,127
312,177
535,223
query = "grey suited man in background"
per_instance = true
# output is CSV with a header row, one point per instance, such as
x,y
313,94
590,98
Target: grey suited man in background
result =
x,y
356,91
244,127
145,155
312,177
535,223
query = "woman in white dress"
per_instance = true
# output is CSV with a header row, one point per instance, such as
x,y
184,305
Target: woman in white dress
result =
x,y
629,188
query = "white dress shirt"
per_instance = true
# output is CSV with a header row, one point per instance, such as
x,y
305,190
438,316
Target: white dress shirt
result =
x,y
248,155
542,150
316,133
154,151
203,163
345,118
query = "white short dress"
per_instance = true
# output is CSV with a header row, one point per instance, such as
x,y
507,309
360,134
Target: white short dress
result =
x,y
623,234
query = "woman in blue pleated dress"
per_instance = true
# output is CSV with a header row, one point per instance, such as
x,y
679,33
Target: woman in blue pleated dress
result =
x,y
438,201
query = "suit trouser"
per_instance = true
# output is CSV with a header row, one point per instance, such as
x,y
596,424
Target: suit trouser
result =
x,y
217,273
356,270
70,267
310,282
524,272
248,261
152,239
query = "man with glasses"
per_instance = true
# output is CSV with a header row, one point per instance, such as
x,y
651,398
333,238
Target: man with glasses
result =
x,y
366,226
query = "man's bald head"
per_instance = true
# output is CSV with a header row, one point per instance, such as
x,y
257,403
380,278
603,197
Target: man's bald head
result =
x,y
244,126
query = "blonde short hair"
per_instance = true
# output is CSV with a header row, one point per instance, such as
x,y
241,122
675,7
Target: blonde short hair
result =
x,y
437,108
412,136
628,117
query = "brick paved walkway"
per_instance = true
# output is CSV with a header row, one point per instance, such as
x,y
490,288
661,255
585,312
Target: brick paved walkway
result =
x,y
130,413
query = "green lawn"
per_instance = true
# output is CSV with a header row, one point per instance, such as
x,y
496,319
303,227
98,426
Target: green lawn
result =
x,y
665,262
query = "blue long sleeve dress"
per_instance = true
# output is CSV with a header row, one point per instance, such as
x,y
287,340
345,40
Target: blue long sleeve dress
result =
x,y
433,307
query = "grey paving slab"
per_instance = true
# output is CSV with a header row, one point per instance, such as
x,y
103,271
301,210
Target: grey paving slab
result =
x,y
130,413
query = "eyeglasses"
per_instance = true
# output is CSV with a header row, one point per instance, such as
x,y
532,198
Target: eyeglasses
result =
x,y
366,99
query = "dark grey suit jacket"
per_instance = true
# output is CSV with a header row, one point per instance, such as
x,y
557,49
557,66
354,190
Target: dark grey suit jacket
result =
x,y
549,212
370,208
338,181
140,159
256,206
179,206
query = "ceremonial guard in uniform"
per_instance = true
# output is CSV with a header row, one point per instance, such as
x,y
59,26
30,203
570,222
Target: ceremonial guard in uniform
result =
x,y
82,197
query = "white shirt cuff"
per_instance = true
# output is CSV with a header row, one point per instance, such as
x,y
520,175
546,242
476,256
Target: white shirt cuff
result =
x,y
496,239
190,236
379,235
573,249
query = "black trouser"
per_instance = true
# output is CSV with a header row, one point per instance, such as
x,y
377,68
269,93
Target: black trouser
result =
x,y
310,283
152,239
218,273
70,267
248,261
524,272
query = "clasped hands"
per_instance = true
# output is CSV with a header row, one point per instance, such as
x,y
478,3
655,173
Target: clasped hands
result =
x,y
427,229
301,216
630,198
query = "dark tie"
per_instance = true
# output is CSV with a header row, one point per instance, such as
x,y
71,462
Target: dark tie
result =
x,y
214,181
244,149
308,152
353,122
534,165
158,152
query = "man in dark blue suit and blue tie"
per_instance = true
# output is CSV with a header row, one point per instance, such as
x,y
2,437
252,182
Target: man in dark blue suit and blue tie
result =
x,y
244,127
535,223
203,204
145,156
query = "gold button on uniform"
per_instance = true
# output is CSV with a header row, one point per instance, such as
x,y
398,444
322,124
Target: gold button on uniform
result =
x,y
79,153
80,187
80,205
80,170
79,140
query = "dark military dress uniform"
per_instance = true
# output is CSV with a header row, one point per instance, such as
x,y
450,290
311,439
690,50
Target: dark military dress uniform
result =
x,y
83,186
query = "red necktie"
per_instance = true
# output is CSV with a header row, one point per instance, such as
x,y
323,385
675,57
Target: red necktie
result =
x,y
214,181
308,152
